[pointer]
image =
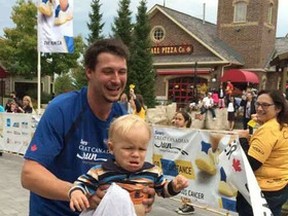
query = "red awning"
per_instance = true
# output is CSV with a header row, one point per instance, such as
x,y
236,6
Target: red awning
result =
x,y
239,76
3,73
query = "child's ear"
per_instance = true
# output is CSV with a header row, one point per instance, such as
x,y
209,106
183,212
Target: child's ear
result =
x,y
110,146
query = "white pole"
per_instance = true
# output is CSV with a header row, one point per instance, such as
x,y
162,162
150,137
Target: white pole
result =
x,y
38,66
204,12
39,84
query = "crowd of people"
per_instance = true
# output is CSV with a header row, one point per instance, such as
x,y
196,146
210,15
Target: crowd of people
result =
x,y
237,107
75,156
15,105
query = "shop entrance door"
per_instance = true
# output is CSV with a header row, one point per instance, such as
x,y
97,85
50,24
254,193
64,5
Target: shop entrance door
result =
x,y
182,90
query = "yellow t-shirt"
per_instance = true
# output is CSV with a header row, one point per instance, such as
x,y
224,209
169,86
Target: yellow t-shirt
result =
x,y
141,114
269,145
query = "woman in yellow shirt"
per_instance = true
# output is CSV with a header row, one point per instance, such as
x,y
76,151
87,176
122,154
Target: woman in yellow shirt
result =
x,y
267,152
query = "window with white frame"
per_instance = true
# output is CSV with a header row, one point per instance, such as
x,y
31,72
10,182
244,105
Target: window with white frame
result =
x,y
158,34
240,11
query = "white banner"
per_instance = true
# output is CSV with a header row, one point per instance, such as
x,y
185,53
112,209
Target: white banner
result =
x,y
1,132
55,26
214,163
17,132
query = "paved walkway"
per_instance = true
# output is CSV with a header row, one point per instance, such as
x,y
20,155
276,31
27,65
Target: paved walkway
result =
x,y
14,200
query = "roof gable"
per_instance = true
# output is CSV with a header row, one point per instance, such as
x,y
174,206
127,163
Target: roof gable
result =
x,y
204,32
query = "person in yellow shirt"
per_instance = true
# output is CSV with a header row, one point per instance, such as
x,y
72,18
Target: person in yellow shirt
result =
x,y
267,151
137,104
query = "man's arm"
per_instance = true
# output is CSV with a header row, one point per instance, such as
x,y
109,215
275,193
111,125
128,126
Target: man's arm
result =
x,y
41,181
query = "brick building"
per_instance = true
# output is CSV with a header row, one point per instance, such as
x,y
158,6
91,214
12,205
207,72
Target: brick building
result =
x,y
21,85
190,53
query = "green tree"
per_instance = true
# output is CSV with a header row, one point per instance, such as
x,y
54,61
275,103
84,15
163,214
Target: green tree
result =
x,y
18,50
95,26
122,29
64,83
18,47
79,77
141,71
122,25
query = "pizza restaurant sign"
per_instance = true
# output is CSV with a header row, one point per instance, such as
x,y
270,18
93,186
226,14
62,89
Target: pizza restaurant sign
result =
x,y
172,50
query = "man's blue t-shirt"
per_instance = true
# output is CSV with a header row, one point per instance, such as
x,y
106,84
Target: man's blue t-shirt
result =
x,y
68,141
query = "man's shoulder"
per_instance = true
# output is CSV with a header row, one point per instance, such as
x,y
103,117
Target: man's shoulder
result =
x,y
69,97
67,104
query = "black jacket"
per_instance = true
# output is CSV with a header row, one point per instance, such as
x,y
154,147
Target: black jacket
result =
x,y
252,107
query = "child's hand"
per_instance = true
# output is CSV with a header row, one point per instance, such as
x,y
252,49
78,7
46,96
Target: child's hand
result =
x,y
78,201
179,183
254,117
132,94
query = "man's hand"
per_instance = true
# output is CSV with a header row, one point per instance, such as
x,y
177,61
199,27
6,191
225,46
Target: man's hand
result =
x,y
97,197
150,200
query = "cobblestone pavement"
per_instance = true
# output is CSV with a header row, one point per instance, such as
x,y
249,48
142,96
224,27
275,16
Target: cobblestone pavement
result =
x,y
14,200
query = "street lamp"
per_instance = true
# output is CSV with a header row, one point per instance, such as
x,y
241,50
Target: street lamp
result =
x,y
195,83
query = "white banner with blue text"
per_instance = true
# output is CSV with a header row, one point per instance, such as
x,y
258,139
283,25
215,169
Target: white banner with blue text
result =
x,y
214,163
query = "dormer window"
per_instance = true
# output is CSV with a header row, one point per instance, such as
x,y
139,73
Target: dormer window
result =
x,y
240,11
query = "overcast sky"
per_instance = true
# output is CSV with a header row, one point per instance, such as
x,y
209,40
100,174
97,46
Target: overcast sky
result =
x,y
109,9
